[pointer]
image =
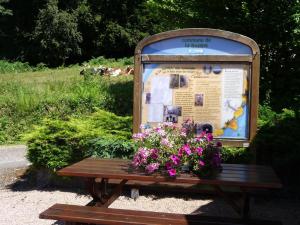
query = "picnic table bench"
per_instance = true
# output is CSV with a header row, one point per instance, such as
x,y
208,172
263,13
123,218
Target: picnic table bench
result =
x,y
98,172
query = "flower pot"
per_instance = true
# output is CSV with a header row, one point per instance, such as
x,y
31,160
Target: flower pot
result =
x,y
186,168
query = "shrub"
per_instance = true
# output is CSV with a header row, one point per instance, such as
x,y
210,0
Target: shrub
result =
x,y
110,148
111,62
237,155
277,143
14,67
57,143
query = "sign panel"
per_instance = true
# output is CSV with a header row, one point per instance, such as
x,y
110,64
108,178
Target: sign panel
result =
x,y
204,75
197,45
214,96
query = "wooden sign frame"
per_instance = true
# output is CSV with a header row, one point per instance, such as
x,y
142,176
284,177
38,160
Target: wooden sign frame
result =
x,y
253,61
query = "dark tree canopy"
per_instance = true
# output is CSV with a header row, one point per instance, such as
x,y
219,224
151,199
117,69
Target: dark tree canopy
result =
x,y
59,32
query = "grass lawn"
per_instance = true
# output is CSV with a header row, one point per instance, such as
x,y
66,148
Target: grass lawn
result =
x,y
28,97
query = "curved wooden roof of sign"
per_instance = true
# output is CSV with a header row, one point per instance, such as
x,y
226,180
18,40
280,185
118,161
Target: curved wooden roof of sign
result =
x,y
198,32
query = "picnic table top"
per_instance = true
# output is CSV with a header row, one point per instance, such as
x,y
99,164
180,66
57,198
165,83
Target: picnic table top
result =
x,y
244,176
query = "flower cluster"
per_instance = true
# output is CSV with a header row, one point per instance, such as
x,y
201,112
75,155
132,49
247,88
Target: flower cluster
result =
x,y
169,148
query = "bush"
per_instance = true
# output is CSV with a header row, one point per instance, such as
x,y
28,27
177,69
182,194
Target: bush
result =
x,y
277,143
237,155
14,67
57,143
111,62
110,148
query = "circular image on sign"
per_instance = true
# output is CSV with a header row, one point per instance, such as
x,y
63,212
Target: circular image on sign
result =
x,y
207,69
217,69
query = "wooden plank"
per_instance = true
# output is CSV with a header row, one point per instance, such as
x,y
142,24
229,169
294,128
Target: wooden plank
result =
x,y
95,215
180,179
226,170
196,58
232,174
224,175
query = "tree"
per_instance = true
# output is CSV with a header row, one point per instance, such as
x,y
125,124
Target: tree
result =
x,y
273,24
56,35
3,9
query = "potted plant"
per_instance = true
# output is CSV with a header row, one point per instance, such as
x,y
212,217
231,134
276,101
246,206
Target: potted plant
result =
x,y
168,148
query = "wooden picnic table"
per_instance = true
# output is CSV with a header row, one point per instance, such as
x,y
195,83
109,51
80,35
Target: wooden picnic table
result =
x,y
98,173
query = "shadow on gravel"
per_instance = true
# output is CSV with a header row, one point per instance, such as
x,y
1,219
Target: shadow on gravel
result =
x,y
58,223
43,181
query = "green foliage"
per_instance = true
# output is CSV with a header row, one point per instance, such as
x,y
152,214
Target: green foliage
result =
x,y
3,10
237,155
56,143
56,35
110,148
111,62
27,98
277,143
56,32
274,25
18,67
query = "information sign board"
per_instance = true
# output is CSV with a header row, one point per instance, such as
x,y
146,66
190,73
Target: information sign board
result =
x,y
204,75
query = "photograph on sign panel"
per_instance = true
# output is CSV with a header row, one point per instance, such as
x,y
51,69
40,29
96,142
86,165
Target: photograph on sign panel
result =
x,y
199,98
203,127
217,70
171,113
183,81
148,98
207,69
174,82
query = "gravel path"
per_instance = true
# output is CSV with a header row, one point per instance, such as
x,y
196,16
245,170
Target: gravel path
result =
x,y
23,207
13,156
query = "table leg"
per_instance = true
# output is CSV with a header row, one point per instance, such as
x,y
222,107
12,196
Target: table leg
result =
x,y
242,209
246,205
99,192
94,189
227,199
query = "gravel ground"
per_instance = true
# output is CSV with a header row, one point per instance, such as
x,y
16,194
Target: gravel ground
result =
x,y
21,203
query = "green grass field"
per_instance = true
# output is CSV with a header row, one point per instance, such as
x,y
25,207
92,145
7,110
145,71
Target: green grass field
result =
x,y
28,97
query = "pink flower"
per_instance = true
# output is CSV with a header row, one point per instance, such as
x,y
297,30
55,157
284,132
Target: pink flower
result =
x,y
147,131
183,134
180,151
175,159
152,167
201,163
168,165
154,153
216,160
168,124
187,149
160,131
140,157
166,142
199,151
172,172
138,136
219,144
202,134
209,137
